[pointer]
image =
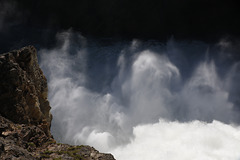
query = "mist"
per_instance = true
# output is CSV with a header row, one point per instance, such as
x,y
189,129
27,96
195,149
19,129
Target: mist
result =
x,y
145,99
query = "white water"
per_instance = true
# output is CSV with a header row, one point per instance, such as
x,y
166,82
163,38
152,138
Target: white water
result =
x,y
185,141
139,87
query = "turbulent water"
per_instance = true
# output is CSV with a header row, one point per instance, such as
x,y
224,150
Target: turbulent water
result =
x,y
145,99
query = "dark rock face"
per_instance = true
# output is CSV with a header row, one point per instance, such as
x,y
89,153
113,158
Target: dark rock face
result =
x,y
25,117
23,89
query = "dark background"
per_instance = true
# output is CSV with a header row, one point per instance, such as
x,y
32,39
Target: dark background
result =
x,y
37,22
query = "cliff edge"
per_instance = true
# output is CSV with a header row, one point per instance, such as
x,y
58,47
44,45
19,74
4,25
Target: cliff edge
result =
x,y
25,117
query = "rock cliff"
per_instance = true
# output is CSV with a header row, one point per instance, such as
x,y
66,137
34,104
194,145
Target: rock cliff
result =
x,y
23,89
25,117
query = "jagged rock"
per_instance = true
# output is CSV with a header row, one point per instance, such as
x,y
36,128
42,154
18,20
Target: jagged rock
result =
x,y
23,89
23,141
25,117
12,142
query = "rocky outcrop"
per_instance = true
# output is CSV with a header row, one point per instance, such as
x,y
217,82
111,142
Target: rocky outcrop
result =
x,y
22,141
25,117
23,89
17,141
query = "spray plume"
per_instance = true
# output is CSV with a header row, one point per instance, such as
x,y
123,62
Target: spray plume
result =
x,y
140,84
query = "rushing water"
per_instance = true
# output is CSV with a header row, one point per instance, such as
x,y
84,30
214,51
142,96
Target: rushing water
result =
x,y
145,100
